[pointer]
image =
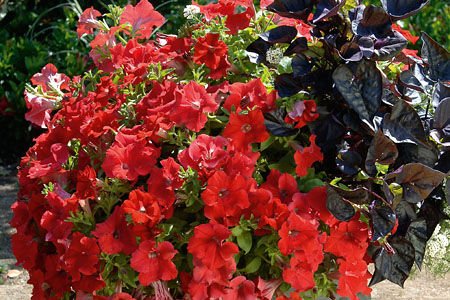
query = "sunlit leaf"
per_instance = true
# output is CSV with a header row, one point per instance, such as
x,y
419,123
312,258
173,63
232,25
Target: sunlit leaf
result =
x,y
280,34
388,47
401,9
327,8
403,125
418,180
371,20
297,9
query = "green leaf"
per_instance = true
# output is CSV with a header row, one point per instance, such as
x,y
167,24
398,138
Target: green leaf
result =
x,y
245,241
254,265
266,144
285,65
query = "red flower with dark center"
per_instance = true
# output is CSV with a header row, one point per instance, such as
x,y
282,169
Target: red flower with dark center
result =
x,y
154,264
225,196
143,208
114,235
209,50
248,95
304,159
282,186
348,240
244,129
129,157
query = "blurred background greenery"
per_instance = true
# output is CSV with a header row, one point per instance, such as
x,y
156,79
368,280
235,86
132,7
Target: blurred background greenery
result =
x,y
36,32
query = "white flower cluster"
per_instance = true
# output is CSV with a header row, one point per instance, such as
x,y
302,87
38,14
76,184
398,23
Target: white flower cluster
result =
x,y
436,257
274,55
190,11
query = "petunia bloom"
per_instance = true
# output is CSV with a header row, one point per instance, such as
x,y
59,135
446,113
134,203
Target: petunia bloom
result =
x,y
142,18
154,263
244,129
304,159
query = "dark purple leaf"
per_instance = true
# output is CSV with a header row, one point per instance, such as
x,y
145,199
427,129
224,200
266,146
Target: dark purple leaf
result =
x,y
297,9
287,85
366,45
341,209
395,267
443,164
401,9
441,91
275,124
431,210
376,278
280,34
300,65
371,20
328,131
358,196
387,193
417,235
425,154
388,47
405,212
362,90
348,161
257,51
382,150
441,123
299,45
382,221
417,180
351,51
437,58
403,125
327,8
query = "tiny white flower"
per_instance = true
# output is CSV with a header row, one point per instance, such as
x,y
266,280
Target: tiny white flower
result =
x,y
190,11
274,55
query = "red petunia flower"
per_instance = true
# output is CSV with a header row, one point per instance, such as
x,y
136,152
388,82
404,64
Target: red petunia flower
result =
x,y
354,278
143,207
206,153
348,240
302,113
114,235
304,159
225,197
142,18
241,289
40,111
244,129
207,244
248,95
406,34
129,157
82,256
282,186
154,264
50,79
209,50
192,102
88,21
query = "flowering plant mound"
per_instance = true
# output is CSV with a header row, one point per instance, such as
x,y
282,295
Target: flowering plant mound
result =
x,y
259,154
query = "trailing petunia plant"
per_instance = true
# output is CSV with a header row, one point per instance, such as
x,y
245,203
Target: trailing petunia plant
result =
x,y
270,150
